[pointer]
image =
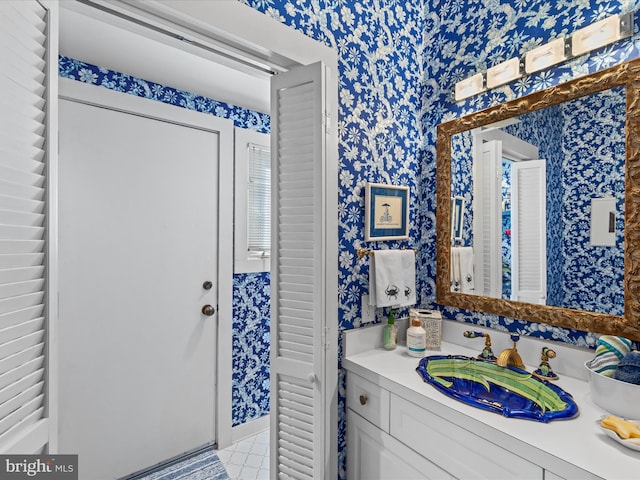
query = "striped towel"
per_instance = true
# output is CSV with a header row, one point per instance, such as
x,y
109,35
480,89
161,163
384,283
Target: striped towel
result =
x,y
609,351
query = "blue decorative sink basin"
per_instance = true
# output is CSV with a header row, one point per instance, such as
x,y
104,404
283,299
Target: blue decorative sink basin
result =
x,y
509,391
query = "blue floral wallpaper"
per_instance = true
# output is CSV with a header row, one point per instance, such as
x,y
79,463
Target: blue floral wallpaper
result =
x,y
462,181
594,150
251,292
506,229
251,346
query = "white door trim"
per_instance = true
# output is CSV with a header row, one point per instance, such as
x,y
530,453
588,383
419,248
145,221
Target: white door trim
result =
x,y
102,97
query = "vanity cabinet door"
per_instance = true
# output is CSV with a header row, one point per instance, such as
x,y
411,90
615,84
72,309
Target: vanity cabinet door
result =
x,y
455,449
368,400
374,455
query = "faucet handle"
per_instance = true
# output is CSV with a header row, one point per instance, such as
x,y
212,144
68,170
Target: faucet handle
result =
x,y
544,371
487,353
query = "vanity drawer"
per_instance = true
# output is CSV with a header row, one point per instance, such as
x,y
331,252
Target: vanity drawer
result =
x,y
454,449
368,400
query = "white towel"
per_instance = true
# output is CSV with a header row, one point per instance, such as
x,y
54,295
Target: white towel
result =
x,y
462,278
454,269
409,274
392,278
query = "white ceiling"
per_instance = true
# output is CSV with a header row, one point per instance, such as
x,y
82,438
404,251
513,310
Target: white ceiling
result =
x,y
157,58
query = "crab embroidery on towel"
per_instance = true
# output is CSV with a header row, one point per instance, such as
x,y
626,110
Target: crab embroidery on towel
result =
x,y
392,291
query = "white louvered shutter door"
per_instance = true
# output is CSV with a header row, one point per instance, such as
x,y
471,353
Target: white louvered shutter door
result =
x,y
301,341
26,60
487,236
529,231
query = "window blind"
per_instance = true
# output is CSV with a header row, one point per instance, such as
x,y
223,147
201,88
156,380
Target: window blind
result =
x,y
259,200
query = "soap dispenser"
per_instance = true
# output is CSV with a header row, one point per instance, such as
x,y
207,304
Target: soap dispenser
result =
x,y
390,332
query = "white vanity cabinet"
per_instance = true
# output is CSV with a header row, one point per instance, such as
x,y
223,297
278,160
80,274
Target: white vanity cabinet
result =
x,y
462,453
371,452
389,437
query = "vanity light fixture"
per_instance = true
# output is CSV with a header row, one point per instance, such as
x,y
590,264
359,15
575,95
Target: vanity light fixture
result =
x,y
470,86
601,33
596,35
546,55
504,72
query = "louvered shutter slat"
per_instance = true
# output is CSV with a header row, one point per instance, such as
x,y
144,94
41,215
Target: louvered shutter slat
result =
x,y
296,287
30,404
23,142
9,217
29,67
296,330
21,288
34,135
296,318
21,205
20,275
299,424
301,454
21,191
23,343
20,302
293,470
16,401
28,92
19,373
22,246
11,232
20,380
300,458
21,330
21,260
22,356
26,102
18,164
21,316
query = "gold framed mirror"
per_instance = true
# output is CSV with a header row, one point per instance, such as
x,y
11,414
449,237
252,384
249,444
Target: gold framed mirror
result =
x,y
626,323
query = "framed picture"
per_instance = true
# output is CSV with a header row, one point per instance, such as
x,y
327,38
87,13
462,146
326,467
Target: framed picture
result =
x,y
457,218
386,212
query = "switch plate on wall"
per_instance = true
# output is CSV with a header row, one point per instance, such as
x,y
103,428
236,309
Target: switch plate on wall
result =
x,y
368,311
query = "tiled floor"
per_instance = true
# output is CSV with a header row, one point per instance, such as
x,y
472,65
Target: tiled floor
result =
x,y
247,459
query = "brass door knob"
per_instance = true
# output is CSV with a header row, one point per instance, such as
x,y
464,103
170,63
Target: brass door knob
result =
x,y
208,310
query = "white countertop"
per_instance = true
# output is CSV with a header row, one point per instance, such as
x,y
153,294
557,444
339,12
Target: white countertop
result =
x,y
578,441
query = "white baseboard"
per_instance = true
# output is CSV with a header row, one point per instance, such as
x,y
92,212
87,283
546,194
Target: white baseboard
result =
x,y
250,428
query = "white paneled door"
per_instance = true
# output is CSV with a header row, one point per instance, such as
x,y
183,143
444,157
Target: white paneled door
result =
x,y
138,246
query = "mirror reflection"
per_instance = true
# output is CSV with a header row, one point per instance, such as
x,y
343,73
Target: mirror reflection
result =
x,y
544,196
